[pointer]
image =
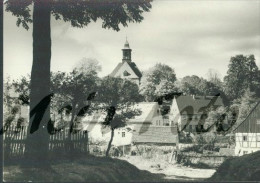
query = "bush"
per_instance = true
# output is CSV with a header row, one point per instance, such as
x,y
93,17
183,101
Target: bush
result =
x,y
14,110
19,122
194,148
9,120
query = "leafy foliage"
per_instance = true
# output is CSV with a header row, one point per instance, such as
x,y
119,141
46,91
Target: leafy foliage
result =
x,y
116,97
80,12
242,74
157,81
73,92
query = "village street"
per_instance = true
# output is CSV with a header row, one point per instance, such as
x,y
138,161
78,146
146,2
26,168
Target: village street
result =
x,y
172,171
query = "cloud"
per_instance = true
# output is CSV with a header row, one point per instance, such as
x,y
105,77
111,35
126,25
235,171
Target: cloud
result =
x,y
190,36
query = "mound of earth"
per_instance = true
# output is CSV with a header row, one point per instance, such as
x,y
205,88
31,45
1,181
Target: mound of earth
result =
x,y
243,168
87,169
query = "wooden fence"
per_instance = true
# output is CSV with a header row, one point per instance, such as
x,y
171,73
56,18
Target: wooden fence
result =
x,y
15,141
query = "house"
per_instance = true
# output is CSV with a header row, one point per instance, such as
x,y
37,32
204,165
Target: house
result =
x,y
159,135
127,69
190,112
150,117
149,127
247,134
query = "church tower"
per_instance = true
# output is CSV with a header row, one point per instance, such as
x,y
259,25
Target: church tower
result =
x,y
127,69
126,52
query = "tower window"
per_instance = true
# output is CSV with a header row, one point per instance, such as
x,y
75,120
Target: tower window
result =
x,y
123,134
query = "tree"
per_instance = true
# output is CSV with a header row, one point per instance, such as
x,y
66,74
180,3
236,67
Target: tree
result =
x,y
158,80
22,87
253,75
242,73
116,98
88,65
79,13
216,120
246,103
75,92
193,85
213,76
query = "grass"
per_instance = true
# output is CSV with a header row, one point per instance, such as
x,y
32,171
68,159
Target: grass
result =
x,y
80,169
244,168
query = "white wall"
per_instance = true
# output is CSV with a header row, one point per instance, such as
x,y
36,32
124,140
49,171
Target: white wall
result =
x,y
174,116
247,143
97,134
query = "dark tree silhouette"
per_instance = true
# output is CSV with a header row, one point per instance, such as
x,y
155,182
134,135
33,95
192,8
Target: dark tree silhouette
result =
x,y
79,13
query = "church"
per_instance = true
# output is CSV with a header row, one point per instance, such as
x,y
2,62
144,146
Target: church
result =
x,y
127,69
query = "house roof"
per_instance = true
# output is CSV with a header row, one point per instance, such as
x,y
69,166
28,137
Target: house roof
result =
x,y
147,110
252,122
132,66
197,104
155,134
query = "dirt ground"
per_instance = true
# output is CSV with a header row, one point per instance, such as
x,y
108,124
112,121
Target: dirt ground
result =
x,y
172,171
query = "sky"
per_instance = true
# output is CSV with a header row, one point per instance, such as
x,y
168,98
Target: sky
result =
x,y
190,36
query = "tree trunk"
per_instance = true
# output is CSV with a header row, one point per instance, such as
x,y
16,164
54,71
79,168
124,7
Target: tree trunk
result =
x,y
38,136
110,142
69,141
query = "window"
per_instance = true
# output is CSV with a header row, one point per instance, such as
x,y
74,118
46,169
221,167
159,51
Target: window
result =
x,y
190,128
244,138
258,121
258,138
123,134
190,117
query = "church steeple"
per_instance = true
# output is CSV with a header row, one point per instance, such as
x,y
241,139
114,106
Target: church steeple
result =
x,y
126,52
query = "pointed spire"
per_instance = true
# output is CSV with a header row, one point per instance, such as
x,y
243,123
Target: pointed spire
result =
x,y
126,46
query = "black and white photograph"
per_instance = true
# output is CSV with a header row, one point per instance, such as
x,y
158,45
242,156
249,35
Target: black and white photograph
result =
x,y
131,91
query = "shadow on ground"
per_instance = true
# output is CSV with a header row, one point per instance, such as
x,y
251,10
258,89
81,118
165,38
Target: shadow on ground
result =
x,y
81,169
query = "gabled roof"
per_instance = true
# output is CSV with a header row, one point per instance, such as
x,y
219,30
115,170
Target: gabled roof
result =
x,y
197,104
135,69
113,73
147,110
155,134
132,65
252,122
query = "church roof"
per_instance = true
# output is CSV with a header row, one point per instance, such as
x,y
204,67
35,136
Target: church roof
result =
x,y
131,64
